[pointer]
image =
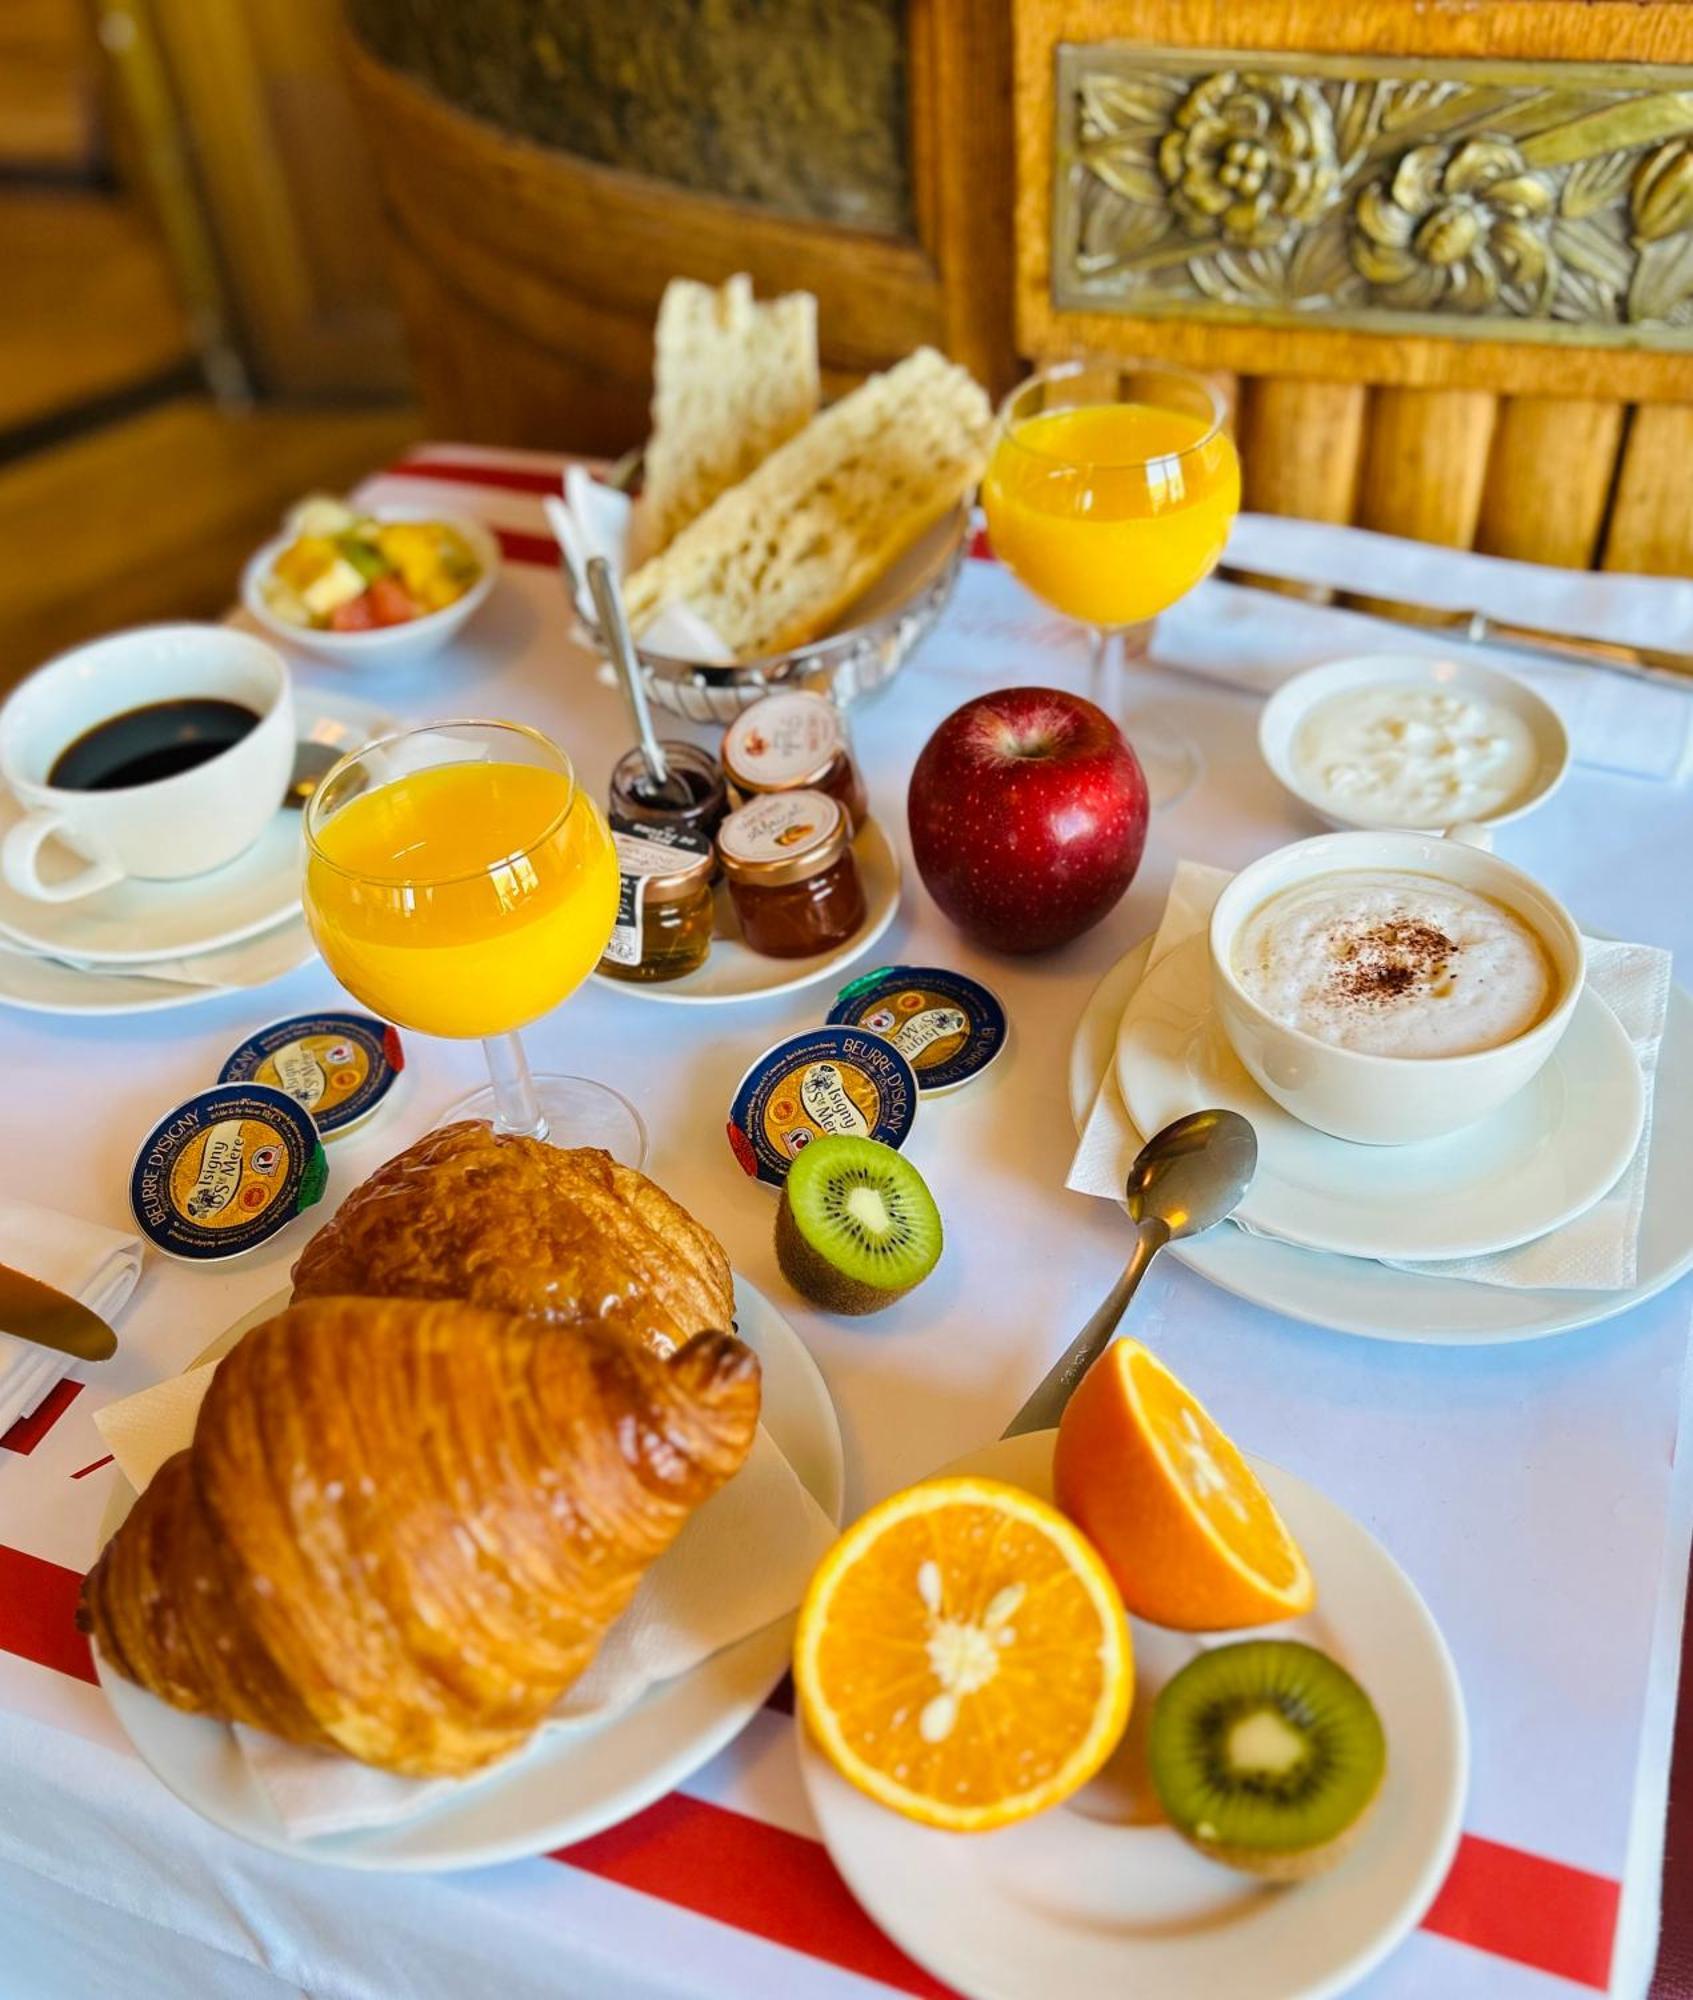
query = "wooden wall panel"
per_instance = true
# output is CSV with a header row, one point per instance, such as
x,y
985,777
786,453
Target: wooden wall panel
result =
x,y
1300,446
1549,479
1425,463
1652,514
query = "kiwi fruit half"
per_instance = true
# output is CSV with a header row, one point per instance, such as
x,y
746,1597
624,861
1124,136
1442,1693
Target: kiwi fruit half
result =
x,y
857,1227
1266,1754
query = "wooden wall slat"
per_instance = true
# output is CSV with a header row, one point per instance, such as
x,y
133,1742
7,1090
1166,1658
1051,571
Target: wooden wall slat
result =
x,y
1652,514
1425,463
1300,445
1549,479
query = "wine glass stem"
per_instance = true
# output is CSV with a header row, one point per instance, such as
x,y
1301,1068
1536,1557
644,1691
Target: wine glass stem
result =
x,y
1105,668
517,1110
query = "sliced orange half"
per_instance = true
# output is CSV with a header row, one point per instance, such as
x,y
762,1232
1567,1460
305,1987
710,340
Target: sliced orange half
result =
x,y
962,1655
1183,1523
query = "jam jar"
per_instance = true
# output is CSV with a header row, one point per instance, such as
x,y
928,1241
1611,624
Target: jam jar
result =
x,y
793,742
664,905
633,804
789,864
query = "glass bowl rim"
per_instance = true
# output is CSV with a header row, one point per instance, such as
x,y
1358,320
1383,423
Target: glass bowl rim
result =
x,y
1007,429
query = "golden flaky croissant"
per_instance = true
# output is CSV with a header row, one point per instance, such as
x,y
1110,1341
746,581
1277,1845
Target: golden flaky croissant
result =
x,y
403,1528
519,1226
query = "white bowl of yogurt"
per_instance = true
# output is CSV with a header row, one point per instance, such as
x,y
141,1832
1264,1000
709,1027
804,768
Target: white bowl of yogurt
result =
x,y
1413,740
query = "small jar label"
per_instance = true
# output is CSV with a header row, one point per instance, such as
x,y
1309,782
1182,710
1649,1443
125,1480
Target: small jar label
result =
x,y
785,739
666,850
777,825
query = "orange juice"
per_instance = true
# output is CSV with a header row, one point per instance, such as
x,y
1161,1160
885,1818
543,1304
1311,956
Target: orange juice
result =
x,y
1111,511
465,899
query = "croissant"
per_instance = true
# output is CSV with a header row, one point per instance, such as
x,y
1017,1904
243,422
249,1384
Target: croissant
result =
x,y
558,1232
403,1528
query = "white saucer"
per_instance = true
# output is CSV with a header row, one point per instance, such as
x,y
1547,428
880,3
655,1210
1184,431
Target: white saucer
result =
x,y
1098,1900
1543,1158
568,1785
734,972
134,921
1377,1302
45,986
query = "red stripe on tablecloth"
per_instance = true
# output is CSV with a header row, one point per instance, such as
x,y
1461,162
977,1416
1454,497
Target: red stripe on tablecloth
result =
x,y
758,1878
782,1886
470,472
38,1614
28,1431
1522,1906
540,550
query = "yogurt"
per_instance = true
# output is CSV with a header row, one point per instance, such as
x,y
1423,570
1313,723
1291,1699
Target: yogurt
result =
x,y
1391,963
1407,754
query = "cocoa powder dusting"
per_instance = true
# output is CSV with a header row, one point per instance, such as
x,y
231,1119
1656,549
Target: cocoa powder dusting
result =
x,y
1389,959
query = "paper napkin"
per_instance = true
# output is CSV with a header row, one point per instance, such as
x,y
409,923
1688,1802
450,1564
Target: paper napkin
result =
x,y
593,519
1256,642
1598,1251
741,1561
96,1265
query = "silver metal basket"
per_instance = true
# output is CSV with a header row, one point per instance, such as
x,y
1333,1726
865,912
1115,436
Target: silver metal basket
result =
x,y
890,622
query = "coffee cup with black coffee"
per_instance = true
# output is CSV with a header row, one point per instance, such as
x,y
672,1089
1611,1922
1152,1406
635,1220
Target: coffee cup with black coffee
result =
x,y
161,753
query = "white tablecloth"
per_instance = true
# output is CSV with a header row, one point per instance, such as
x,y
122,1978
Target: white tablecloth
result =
x,y
1528,1489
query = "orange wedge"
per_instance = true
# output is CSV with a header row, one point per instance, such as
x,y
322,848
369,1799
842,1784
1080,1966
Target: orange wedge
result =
x,y
962,1655
1185,1528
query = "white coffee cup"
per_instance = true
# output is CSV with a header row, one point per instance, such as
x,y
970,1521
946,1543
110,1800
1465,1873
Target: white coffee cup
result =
x,y
1385,1100
170,829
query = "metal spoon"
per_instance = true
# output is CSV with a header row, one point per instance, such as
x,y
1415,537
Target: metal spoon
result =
x,y
614,628
1184,1179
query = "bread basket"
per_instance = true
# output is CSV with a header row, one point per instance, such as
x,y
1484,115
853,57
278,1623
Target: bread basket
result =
x,y
873,642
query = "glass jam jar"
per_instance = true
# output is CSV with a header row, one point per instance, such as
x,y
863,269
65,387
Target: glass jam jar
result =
x,y
664,906
789,864
793,742
634,805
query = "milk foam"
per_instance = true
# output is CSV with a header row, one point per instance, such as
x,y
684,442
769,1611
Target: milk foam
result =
x,y
1394,964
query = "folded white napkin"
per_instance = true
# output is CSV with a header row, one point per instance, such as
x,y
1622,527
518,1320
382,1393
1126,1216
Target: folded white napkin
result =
x,y
593,519
1257,642
88,1262
741,1561
1598,1251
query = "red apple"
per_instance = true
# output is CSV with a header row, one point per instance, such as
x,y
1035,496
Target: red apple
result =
x,y
1028,816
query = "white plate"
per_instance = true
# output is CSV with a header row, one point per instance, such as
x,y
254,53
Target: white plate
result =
x,y
1288,707
135,921
1353,1295
1099,1900
44,986
733,972
565,1786
1544,1157
389,645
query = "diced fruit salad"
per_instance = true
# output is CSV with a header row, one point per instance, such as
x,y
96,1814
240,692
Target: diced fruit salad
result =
x,y
348,572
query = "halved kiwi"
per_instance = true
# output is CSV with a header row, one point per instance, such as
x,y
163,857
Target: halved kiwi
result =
x,y
1266,1754
857,1227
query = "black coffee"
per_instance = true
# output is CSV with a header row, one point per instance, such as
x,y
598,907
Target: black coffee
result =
x,y
143,745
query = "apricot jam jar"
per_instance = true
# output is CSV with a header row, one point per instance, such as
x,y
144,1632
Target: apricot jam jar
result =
x,y
789,864
793,742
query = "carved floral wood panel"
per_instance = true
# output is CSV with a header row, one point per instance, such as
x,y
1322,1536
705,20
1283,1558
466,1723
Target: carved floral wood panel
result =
x,y
1544,201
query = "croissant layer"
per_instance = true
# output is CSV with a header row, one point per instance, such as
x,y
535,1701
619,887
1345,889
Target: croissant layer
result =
x,y
403,1527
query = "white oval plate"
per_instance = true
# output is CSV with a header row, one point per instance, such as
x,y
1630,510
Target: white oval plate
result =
x,y
1541,1159
733,972
1288,707
134,921
1099,1899
44,986
566,1786
1377,1302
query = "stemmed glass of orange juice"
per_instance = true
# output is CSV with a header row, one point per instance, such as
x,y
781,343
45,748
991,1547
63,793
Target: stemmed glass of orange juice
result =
x,y
1110,494
459,882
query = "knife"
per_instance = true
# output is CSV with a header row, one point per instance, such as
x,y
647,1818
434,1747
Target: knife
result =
x,y
31,1310
1480,628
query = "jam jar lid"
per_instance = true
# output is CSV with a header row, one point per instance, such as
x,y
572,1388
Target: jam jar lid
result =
x,y
783,742
341,1067
821,1081
783,837
947,1025
666,861
225,1171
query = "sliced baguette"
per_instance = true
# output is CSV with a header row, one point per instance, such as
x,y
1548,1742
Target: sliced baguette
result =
x,y
732,379
775,560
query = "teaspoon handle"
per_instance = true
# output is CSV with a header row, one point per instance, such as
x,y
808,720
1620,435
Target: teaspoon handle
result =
x,y
1043,1409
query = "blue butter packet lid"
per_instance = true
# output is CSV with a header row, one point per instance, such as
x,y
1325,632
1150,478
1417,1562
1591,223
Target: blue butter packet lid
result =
x,y
225,1171
834,1079
340,1067
949,1027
